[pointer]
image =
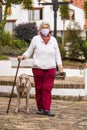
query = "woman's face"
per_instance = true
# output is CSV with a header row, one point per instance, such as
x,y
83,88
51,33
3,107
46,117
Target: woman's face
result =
x,y
45,29
45,26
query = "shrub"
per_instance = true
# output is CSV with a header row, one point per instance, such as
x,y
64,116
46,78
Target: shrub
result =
x,y
59,39
8,50
73,36
11,45
26,31
3,57
6,38
62,51
2,24
19,44
84,49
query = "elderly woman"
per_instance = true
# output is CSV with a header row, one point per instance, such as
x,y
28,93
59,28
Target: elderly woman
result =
x,y
46,54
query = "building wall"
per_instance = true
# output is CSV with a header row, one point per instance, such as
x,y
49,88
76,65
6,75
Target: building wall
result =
x,y
10,25
48,15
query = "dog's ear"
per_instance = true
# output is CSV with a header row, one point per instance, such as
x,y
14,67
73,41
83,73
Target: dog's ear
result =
x,y
18,81
28,85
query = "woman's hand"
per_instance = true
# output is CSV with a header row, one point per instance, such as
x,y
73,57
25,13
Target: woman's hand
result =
x,y
22,57
60,68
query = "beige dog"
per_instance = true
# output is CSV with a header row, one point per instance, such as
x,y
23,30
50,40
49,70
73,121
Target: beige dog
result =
x,y
23,86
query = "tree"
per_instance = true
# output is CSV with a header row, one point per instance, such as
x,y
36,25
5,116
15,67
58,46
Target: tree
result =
x,y
8,3
27,4
84,46
85,12
64,12
7,11
85,8
73,37
0,12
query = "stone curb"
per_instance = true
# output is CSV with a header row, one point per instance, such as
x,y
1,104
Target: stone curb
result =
x,y
71,83
58,83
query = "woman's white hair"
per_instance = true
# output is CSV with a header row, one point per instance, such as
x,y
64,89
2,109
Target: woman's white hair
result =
x,y
41,25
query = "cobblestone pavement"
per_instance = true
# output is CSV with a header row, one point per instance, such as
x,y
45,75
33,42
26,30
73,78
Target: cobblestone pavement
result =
x,y
70,115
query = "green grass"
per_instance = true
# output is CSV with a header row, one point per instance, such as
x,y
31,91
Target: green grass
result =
x,y
72,63
3,57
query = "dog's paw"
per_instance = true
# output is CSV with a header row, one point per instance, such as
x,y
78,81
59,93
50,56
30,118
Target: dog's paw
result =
x,y
27,111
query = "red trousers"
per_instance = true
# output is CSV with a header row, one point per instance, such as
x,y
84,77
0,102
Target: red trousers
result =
x,y
44,81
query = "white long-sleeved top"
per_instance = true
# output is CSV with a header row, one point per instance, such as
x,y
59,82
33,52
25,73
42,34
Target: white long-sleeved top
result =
x,y
45,56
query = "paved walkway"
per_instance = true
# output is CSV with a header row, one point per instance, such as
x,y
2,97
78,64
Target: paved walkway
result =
x,y
70,115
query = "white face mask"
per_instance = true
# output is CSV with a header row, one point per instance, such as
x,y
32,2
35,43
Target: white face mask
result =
x,y
45,31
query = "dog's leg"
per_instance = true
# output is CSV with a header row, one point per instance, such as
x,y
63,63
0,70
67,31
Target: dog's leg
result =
x,y
18,104
27,103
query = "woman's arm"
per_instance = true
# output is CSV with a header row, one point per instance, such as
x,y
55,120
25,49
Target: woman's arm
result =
x,y
29,51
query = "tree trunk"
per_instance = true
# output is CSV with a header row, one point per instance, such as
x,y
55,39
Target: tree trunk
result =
x,y
0,14
63,32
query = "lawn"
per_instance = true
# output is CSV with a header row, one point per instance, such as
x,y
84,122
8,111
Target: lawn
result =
x,y
73,64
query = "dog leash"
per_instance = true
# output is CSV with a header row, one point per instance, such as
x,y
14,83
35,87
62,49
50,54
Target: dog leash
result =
x,y
15,82
13,86
59,74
